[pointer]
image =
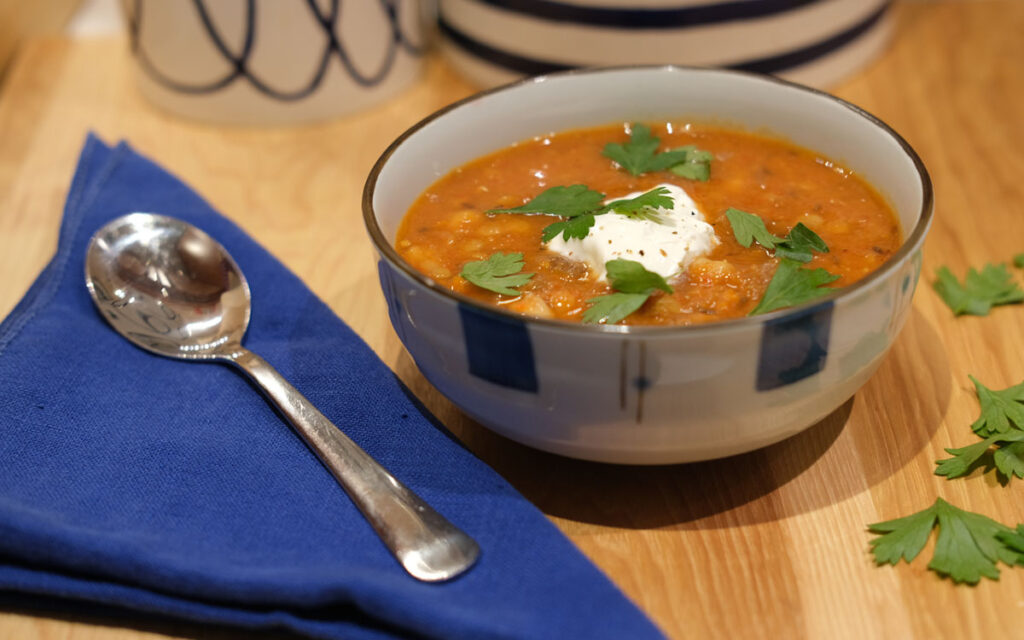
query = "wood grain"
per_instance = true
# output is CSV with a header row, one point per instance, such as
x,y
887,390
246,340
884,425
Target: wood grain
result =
x,y
771,544
20,20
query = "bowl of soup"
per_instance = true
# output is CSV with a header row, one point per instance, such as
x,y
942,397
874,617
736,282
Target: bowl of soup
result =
x,y
648,265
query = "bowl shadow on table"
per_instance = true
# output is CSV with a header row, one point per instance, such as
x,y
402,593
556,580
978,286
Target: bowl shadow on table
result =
x,y
881,432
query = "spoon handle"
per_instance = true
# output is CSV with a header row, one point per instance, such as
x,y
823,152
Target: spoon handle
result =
x,y
427,545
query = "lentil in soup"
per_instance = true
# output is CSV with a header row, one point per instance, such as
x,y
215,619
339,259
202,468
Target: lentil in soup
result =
x,y
783,185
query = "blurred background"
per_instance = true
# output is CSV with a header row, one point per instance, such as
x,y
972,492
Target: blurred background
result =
x,y
187,51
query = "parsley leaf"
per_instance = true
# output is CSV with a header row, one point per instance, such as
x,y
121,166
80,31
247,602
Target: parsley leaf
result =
x,y
644,206
1007,460
792,285
1000,424
696,165
634,285
749,228
635,155
569,202
1018,260
577,227
903,538
968,547
579,204
1014,541
499,273
638,156
629,276
614,307
999,409
798,244
980,290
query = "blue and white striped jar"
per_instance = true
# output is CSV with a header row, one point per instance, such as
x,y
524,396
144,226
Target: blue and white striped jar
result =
x,y
814,42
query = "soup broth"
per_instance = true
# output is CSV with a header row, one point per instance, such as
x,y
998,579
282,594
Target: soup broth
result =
x,y
784,185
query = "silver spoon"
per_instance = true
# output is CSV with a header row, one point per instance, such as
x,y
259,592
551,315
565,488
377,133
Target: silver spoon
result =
x,y
171,289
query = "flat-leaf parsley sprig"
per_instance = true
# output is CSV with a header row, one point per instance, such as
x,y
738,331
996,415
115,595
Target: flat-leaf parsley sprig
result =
x,y
633,285
980,291
791,284
579,205
1001,410
968,548
1007,457
1000,425
799,244
639,156
499,273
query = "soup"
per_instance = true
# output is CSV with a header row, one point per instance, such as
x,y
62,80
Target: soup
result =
x,y
667,224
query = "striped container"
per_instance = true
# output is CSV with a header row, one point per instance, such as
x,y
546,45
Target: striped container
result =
x,y
814,42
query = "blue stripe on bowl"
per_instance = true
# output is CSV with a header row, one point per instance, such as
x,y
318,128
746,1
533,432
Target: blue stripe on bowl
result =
x,y
794,347
770,64
387,285
628,18
498,349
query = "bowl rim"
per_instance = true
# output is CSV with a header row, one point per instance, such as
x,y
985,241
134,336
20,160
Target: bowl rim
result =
x,y
909,244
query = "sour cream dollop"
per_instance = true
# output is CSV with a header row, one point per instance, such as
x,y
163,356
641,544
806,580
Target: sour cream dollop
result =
x,y
666,248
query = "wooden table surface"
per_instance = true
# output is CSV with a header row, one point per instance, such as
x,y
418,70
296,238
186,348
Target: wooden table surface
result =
x,y
771,544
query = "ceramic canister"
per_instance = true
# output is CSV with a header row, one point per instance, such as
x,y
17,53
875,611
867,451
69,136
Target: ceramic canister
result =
x,y
265,63
814,42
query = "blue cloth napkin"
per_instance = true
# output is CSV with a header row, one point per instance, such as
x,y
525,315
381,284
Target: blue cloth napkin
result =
x,y
154,486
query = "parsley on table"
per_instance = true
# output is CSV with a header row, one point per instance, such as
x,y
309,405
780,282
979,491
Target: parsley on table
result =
x,y
1001,410
1008,457
1014,540
792,285
980,291
968,547
1000,424
579,204
633,285
798,244
499,273
638,156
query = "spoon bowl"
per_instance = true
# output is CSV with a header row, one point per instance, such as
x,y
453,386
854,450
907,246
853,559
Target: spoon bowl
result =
x,y
167,286
173,290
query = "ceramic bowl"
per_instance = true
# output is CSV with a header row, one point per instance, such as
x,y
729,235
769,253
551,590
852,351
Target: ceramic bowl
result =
x,y
274,63
648,395
816,42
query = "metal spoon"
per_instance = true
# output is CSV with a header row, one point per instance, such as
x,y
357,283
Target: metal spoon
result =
x,y
172,290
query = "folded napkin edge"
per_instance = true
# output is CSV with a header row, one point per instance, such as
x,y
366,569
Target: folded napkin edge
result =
x,y
85,186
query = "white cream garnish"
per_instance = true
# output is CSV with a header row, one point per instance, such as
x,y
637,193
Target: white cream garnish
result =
x,y
665,248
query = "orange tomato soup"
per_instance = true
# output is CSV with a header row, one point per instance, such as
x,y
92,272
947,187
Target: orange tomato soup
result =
x,y
783,184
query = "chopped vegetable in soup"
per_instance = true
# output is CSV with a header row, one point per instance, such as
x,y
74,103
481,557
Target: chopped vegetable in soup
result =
x,y
672,225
